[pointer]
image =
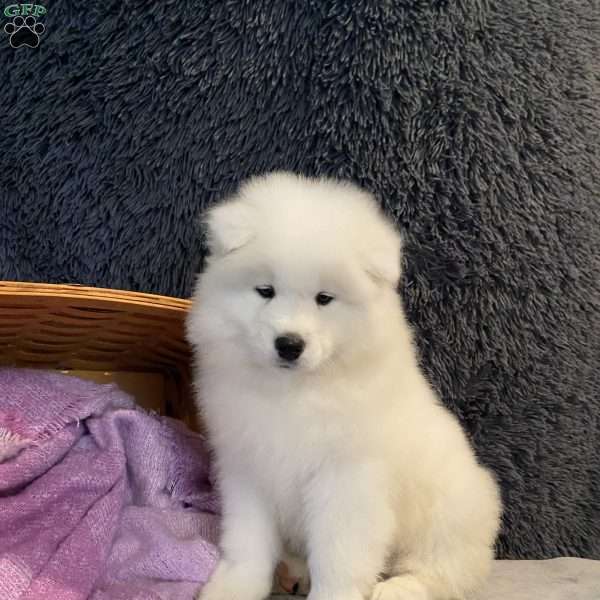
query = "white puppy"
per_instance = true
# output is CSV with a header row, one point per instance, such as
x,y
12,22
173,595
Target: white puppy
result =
x,y
330,444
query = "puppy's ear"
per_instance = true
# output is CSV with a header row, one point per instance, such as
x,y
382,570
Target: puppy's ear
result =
x,y
229,227
382,257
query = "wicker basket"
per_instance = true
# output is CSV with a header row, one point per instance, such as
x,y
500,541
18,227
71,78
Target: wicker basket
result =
x,y
136,340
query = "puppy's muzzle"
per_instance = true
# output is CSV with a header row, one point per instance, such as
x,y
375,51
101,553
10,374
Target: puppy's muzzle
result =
x,y
289,347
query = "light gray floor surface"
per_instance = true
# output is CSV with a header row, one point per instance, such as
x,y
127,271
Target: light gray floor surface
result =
x,y
554,579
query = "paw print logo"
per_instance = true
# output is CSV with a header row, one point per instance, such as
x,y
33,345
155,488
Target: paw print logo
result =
x,y
24,32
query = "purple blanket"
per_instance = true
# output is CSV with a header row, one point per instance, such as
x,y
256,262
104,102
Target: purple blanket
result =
x,y
98,499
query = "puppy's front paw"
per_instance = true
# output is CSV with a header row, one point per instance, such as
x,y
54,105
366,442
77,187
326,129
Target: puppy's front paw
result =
x,y
403,587
235,582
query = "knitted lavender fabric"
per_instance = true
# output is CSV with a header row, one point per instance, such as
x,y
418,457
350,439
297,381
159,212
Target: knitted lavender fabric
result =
x,y
97,498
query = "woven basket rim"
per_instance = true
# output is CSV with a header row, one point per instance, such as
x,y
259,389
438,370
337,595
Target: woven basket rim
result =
x,y
21,290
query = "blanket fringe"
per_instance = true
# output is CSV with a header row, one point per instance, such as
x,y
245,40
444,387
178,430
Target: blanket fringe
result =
x,y
11,444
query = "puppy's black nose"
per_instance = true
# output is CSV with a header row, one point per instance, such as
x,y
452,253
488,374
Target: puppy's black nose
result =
x,y
289,346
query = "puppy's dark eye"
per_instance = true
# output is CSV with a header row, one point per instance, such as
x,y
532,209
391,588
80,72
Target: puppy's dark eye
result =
x,y
265,291
323,298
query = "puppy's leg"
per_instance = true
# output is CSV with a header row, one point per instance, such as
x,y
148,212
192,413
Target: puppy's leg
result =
x,y
454,577
350,526
449,558
249,544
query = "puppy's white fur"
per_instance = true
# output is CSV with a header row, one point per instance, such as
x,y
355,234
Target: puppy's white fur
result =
x,y
347,459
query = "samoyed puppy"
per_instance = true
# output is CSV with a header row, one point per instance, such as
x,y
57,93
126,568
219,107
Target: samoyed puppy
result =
x,y
331,448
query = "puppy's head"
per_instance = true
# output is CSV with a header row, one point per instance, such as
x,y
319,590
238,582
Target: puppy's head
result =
x,y
301,274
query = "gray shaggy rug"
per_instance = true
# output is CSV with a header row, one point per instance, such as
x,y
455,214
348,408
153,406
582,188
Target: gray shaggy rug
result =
x,y
475,122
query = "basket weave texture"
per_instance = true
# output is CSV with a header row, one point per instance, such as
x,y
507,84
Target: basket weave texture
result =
x,y
99,331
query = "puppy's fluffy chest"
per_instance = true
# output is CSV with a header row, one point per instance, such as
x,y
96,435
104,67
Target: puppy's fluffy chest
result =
x,y
294,427
283,442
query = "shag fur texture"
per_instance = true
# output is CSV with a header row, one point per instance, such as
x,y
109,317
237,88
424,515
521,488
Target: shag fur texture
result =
x,y
476,124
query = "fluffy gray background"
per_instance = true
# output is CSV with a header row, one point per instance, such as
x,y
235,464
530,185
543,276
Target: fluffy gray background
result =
x,y
475,122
